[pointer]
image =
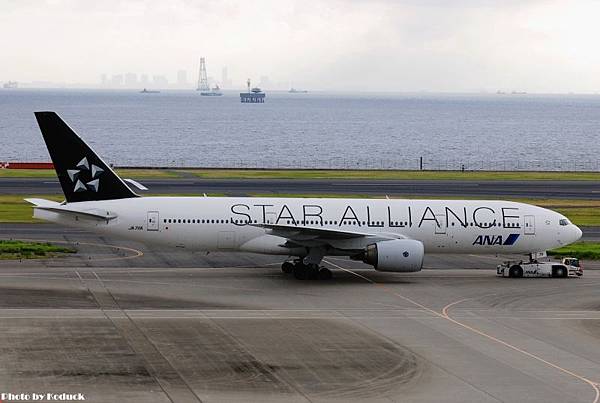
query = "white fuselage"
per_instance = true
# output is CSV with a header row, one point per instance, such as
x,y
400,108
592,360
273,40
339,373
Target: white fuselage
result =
x,y
231,224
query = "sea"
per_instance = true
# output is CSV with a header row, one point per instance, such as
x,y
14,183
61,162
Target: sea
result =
x,y
314,130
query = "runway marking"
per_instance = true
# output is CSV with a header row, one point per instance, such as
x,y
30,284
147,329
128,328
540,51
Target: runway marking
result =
x,y
444,314
136,252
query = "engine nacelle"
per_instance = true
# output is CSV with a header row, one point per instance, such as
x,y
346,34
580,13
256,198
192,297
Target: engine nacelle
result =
x,y
399,255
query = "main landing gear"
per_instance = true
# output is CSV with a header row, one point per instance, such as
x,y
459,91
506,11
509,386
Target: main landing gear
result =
x,y
304,271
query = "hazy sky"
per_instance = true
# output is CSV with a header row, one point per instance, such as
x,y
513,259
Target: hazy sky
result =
x,y
412,45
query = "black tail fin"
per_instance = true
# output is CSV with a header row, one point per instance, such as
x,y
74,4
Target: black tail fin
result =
x,y
82,174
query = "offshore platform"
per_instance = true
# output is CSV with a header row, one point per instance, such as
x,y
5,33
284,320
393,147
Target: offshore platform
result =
x,y
253,96
203,87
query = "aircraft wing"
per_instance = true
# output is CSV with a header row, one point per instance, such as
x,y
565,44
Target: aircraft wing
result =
x,y
297,233
311,236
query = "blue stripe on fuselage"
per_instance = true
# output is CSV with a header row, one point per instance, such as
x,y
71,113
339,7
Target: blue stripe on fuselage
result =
x,y
512,238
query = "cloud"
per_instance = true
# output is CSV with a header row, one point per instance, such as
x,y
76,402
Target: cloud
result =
x,y
374,45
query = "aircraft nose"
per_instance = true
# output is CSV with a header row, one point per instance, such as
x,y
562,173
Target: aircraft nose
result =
x,y
577,233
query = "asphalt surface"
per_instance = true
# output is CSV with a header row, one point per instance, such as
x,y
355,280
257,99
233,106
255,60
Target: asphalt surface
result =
x,y
239,187
122,322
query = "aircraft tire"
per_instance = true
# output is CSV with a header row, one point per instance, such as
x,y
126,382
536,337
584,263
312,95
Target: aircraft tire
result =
x,y
312,271
300,271
325,274
515,271
560,272
287,267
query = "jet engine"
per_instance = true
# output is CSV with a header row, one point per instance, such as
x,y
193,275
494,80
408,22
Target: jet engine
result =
x,y
397,255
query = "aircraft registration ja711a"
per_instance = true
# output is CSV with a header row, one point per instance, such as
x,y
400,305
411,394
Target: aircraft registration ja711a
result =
x,y
390,235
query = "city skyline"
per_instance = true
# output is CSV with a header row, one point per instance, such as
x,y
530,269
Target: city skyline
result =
x,y
429,45
182,80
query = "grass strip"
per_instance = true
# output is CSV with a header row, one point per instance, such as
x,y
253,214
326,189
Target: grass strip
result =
x,y
14,249
581,250
14,209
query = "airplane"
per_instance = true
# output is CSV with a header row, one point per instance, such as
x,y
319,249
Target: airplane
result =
x,y
392,235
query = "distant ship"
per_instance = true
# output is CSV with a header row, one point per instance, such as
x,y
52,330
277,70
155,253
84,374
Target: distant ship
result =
x,y
10,84
295,91
499,92
215,92
146,91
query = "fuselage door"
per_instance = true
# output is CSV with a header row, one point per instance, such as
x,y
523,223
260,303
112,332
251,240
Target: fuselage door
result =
x,y
440,227
152,221
529,224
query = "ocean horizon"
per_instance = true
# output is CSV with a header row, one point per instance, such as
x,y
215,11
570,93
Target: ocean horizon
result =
x,y
313,130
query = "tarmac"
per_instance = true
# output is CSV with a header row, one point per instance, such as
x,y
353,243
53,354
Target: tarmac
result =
x,y
121,322
242,187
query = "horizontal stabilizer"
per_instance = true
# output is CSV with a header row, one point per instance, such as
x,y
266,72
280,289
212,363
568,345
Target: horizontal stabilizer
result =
x,y
42,202
136,184
48,205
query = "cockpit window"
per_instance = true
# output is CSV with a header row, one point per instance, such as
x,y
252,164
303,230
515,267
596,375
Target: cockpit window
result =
x,y
563,221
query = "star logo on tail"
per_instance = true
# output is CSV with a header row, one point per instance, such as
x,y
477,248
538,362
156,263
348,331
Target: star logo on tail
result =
x,y
86,176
